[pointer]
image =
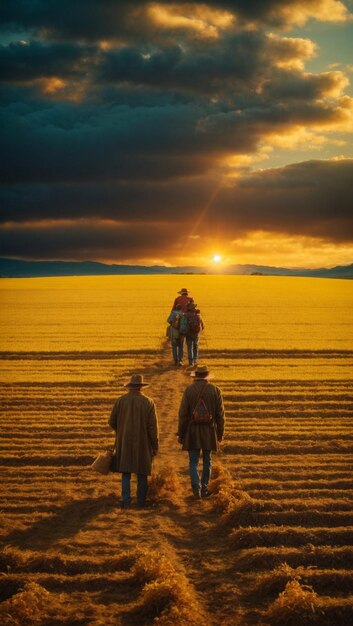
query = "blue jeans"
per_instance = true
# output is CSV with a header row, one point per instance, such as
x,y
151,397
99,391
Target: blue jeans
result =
x,y
194,457
193,349
141,488
178,349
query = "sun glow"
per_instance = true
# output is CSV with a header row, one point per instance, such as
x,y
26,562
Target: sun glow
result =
x,y
216,258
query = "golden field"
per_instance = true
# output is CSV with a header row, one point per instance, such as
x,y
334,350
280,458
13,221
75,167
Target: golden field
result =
x,y
273,545
126,313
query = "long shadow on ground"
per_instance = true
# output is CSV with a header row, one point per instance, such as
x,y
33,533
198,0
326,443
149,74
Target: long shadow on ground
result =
x,y
65,523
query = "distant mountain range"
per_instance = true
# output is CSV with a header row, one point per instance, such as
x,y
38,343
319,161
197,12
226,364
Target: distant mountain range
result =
x,y
15,268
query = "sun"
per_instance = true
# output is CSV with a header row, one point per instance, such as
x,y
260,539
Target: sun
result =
x,y
216,258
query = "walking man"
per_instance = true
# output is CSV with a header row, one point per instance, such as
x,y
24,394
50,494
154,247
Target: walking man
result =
x,y
135,422
183,299
194,326
177,332
201,427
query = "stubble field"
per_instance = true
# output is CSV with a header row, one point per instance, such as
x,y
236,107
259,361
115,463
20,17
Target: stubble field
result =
x,y
273,545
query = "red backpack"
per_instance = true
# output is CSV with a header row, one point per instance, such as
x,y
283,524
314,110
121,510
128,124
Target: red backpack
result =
x,y
201,414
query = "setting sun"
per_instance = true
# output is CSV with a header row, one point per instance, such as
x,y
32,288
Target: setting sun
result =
x,y
216,258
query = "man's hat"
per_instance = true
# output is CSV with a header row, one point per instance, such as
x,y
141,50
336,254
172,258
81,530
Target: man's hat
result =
x,y
201,371
136,381
183,291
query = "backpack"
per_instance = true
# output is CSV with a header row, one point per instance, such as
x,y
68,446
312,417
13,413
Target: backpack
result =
x,y
201,414
194,323
176,322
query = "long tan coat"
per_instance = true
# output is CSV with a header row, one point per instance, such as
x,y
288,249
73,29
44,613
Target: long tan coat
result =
x,y
201,436
135,422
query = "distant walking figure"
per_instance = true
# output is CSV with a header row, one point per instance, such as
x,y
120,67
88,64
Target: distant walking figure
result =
x,y
201,426
183,299
177,332
195,325
135,422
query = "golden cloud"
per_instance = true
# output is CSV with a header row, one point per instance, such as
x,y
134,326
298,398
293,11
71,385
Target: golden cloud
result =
x,y
52,85
200,19
322,10
290,52
300,138
283,250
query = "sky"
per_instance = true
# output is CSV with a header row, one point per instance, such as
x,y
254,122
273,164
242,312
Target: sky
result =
x,y
177,133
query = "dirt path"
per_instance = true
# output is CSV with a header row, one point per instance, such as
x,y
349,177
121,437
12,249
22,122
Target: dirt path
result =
x,y
190,528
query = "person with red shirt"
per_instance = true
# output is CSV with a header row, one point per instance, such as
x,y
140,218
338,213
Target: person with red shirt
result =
x,y
183,300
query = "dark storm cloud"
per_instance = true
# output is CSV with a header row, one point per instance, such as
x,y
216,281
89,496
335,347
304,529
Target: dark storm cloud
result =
x,y
201,69
234,64
92,19
105,19
127,200
65,143
85,240
312,198
103,143
288,86
305,199
25,61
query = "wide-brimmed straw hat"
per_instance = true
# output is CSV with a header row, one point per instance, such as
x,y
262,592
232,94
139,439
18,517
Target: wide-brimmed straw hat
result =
x,y
183,291
136,381
202,371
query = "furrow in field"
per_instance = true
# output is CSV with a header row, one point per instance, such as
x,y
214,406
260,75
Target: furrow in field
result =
x,y
310,504
297,438
328,582
295,473
258,354
288,536
305,518
308,483
52,461
278,492
263,558
265,449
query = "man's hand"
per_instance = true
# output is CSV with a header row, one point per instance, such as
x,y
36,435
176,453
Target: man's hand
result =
x,y
180,440
154,452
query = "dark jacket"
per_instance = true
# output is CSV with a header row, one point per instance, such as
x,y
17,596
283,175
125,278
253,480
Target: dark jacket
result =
x,y
134,420
201,436
190,315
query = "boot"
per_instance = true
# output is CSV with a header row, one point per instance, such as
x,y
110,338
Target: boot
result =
x,y
197,493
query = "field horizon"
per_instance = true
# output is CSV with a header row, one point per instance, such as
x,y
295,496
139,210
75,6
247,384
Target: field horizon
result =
x,y
273,544
18,268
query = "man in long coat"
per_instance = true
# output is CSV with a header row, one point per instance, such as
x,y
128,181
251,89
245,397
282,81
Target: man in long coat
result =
x,y
135,422
196,436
